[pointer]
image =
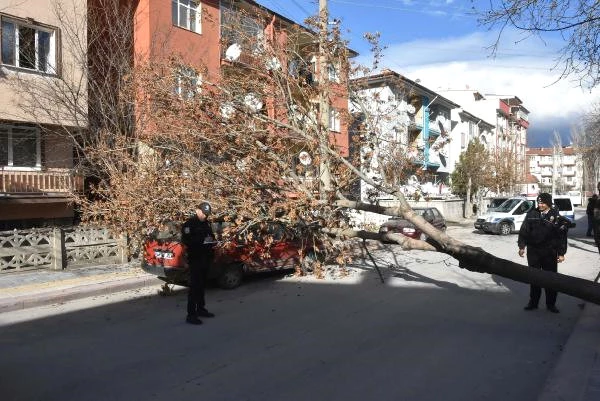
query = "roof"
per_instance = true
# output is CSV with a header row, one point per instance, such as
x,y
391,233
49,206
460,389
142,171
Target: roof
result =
x,y
390,77
253,3
566,150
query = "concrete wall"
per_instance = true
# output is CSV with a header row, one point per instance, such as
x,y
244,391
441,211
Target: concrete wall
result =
x,y
452,210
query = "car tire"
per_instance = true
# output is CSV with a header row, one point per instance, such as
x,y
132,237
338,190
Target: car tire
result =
x,y
505,228
308,262
231,277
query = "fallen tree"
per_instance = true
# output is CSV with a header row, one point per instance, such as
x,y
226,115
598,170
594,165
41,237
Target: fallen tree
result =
x,y
253,138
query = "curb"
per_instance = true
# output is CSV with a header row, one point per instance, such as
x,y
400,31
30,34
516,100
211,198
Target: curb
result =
x,y
69,294
576,375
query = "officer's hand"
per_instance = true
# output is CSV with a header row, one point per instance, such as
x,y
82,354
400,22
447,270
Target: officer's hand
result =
x,y
521,252
560,259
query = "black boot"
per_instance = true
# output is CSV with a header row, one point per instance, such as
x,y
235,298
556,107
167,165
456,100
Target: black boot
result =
x,y
193,320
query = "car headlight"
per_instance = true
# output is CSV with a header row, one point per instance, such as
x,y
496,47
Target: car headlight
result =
x,y
408,230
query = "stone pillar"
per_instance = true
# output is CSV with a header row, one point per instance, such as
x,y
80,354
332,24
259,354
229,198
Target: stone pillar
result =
x,y
123,253
59,259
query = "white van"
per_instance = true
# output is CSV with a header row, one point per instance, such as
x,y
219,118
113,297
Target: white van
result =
x,y
564,204
509,216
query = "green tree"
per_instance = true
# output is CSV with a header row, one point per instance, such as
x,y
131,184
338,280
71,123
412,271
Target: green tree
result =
x,y
471,171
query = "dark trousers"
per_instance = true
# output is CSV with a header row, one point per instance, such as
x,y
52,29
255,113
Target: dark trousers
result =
x,y
590,227
545,259
199,267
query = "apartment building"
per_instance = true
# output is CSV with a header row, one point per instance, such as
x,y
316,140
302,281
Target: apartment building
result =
x,y
509,117
220,35
37,172
407,116
558,169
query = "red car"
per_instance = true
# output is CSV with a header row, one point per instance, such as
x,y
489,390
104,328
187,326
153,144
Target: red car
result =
x,y
270,247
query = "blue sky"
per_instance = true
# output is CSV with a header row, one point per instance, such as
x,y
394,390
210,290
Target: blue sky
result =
x,y
441,43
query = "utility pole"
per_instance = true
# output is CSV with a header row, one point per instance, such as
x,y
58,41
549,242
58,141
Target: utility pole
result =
x,y
325,187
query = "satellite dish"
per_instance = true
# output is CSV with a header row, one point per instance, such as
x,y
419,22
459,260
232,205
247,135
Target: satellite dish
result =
x,y
413,180
227,110
273,64
233,52
253,102
305,158
410,109
240,165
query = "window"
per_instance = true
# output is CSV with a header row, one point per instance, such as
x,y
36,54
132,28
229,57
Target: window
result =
x,y
186,14
28,46
242,29
334,120
333,73
20,147
187,82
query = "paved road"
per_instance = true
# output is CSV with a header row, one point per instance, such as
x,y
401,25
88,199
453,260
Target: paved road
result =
x,y
432,332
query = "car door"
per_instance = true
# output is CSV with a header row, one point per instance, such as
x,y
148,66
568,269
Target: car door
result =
x,y
520,212
438,220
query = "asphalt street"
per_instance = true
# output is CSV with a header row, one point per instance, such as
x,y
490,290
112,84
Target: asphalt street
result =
x,y
432,331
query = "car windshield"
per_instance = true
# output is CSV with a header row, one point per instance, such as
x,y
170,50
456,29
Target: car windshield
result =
x,y
419,212
497,202
563,204
508,205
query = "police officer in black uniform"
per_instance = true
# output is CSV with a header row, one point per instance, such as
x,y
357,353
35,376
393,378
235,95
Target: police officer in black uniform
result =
x,y
544,233
198,237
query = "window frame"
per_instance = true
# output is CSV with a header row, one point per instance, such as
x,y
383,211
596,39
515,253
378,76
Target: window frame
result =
x,y
175,19
10,148
52,59
187,73
335,121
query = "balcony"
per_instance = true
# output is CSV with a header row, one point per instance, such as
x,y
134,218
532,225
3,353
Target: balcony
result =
x,y
55,181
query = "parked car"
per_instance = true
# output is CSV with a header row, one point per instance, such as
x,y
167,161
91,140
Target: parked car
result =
x,y
402,226
509,216
266,247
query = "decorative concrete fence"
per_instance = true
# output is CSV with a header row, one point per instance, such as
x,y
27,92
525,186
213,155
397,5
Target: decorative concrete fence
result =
x,y
59,248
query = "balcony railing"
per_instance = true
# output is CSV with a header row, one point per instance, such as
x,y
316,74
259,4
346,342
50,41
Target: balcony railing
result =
x,y
62,181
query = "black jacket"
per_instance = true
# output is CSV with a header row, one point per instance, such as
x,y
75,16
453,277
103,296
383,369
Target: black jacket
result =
x,y
546,232
590,206
197,236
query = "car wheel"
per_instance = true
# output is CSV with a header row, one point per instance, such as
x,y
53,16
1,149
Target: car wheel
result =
x,y
505,228
231,277
308,262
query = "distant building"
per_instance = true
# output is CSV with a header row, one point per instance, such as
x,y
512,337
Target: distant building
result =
x,y
558,169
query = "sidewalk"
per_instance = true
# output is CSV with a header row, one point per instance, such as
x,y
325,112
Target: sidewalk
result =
x,y
44,287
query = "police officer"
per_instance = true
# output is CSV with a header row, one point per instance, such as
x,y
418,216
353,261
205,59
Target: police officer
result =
x,y
198,237
596,220
544,233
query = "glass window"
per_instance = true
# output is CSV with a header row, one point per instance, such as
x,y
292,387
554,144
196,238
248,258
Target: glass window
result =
x,y
19,147
187,82
334,120
28,46
3,147
8,43
186,14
